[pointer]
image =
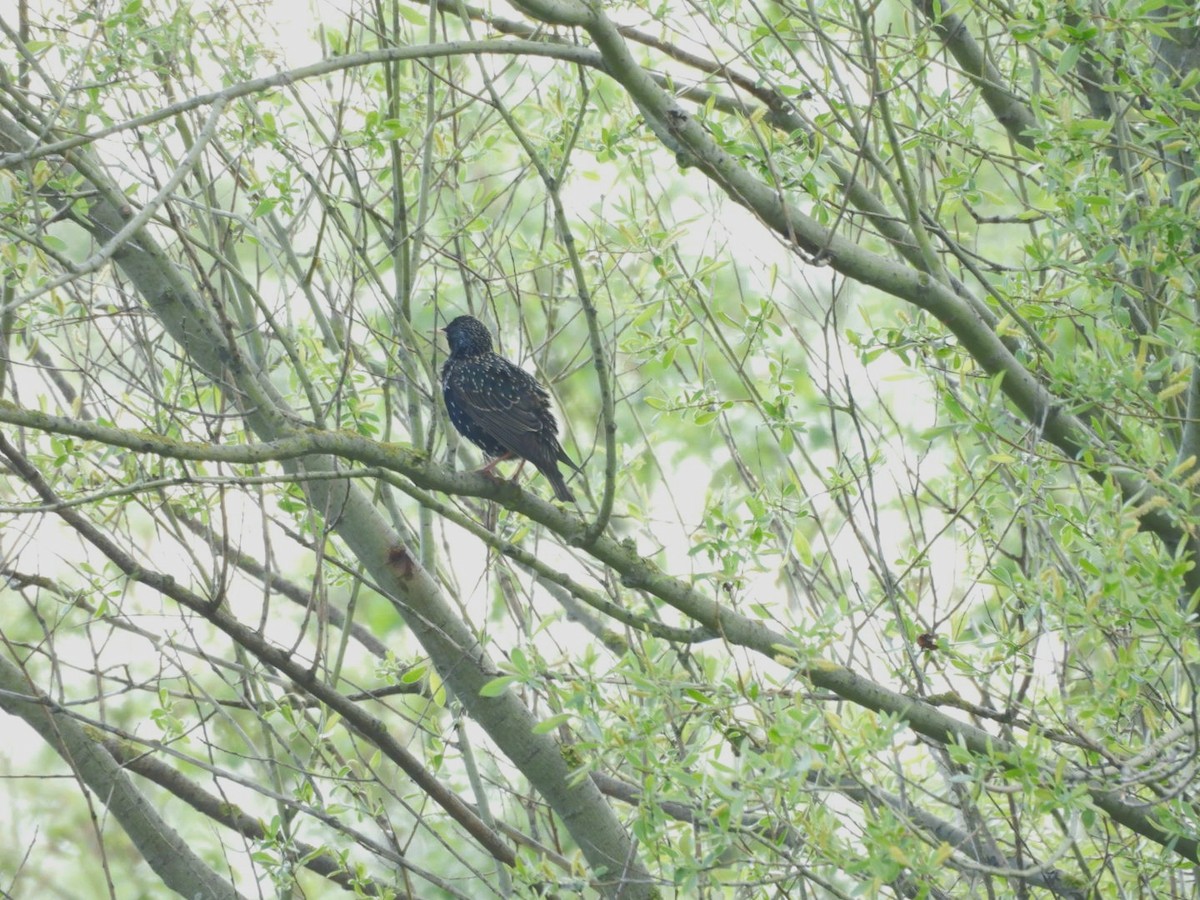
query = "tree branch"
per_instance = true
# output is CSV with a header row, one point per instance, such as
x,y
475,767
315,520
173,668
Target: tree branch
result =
x,y
167,853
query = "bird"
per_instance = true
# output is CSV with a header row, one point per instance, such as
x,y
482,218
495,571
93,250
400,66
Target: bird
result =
x,y
499,407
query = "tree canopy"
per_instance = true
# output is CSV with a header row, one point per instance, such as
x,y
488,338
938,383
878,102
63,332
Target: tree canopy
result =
x,y
873,328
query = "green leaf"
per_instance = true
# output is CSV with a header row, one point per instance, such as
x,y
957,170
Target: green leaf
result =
x,y
497,686
551,724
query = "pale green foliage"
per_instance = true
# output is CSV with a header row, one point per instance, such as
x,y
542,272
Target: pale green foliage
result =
x,y
800,436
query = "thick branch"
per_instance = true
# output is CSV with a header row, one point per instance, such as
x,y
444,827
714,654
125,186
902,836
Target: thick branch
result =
x,y
1009,110
808,237
635,572
453,648
159,844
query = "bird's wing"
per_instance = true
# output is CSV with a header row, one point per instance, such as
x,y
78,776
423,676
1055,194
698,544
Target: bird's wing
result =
x,y
509,404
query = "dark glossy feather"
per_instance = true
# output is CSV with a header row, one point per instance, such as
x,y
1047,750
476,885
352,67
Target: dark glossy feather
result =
x,y
499,407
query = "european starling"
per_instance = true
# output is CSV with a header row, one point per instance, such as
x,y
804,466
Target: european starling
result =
x,y
499,407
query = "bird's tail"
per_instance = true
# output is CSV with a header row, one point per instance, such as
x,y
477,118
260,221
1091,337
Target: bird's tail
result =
x,y
561,456
561,491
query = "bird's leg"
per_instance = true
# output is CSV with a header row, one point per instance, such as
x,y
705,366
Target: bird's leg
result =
x,y
489,469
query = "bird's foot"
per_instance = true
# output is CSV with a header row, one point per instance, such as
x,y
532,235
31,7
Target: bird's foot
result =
x,y
490,469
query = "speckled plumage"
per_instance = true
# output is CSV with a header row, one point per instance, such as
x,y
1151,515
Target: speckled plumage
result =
x,y
498,407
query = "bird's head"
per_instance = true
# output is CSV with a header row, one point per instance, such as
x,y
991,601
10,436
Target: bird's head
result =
x,y
467,337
